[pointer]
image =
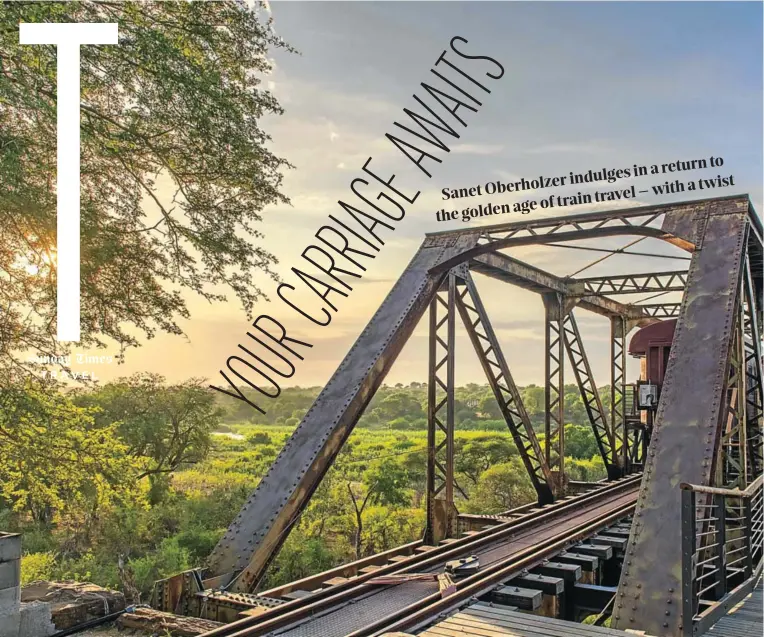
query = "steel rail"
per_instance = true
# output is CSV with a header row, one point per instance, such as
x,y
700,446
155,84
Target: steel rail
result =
x,y
320,601
425,609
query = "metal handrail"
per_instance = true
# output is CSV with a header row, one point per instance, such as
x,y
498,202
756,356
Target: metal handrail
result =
x,y
721,550
749,491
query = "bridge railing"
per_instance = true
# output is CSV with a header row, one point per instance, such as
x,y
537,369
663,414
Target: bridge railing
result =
x,y
722,533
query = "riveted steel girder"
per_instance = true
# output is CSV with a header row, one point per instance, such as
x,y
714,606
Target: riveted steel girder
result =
x,y
510,270
555,309
687,426
635,283
441,481
258,531
618,331
502,384
253,538
582,372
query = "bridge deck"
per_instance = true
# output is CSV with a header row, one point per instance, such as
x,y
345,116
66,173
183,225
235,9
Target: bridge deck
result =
x,y
382,601
484,620
745,619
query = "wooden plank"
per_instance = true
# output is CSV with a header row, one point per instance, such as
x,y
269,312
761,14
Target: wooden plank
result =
x,y
521,628
584,630
524,629
462,627
335,580
450,629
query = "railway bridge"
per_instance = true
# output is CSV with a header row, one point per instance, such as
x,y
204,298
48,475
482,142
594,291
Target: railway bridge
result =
x,y
669,542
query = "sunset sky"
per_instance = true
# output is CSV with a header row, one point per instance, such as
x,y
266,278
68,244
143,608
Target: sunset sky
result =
x,y
587,86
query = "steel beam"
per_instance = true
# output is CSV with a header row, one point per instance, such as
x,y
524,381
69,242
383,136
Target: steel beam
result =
x,y
732,465
686,427
601,232
502,384
254,537
618,331
505,268
659,310
754,385
636,283
441,515
589,394
554,388
679,223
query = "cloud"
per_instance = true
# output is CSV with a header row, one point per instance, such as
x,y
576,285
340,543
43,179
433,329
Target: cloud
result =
x,y
573,147
477,149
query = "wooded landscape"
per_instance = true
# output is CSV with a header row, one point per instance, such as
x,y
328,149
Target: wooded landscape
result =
x,y
137,480
126,482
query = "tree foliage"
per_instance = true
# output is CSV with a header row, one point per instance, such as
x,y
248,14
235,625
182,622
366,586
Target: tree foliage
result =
x,y
165,426
175,168
55,459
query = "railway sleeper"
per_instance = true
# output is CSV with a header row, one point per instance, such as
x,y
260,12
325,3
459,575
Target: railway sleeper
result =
x,y
618,543
527,599
611,558
617,531
589,599
591,570
552,589
570,574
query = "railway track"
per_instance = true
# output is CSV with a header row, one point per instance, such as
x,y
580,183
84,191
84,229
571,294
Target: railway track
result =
x,y
357,609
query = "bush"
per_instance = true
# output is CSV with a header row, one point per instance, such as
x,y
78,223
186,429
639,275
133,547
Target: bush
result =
x,y
259,438
37,566
198,543
169,559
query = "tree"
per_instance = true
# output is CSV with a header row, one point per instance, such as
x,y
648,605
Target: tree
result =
x,y
166,426
480,454
502,487
175,169
398,404
580,442
55,459
533,399
382,484
489,408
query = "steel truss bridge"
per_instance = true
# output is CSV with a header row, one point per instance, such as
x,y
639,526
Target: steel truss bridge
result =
x,y
665,545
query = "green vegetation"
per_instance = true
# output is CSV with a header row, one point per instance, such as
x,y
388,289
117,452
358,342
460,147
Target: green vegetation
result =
x,y
149,474
176,170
